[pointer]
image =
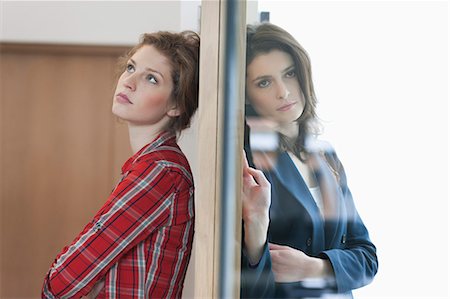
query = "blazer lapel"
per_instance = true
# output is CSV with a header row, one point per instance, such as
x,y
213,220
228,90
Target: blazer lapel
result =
x,y
290,178
332,200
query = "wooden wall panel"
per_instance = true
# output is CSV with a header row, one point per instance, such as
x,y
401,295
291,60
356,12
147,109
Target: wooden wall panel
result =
x,y
211,111
207,193
60,147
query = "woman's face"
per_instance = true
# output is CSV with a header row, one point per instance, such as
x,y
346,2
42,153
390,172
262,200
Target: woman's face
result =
x,y
273,88
143,92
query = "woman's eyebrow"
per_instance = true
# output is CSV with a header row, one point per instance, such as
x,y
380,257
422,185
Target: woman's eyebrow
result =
x,y
148,68
261,77
268,77
288,68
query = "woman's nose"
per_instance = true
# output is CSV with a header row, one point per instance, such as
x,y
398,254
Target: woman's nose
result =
x,y
130,82
282,91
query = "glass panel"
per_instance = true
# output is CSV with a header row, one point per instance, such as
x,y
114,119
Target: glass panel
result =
x,y
299,215
380,72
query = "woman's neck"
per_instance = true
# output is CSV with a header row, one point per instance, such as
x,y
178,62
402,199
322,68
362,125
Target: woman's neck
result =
x,y
289,130
142,135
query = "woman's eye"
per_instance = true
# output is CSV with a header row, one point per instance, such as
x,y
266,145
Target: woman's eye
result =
x,y
263,83
130,68
290,74
151,79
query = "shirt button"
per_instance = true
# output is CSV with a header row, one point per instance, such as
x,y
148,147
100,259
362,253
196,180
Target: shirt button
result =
x,y
309,242
97,227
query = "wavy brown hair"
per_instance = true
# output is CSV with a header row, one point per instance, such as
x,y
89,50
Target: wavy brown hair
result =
x,y
265,37
182,50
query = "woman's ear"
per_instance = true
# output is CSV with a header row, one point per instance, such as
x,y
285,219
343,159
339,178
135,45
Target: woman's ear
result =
x,y
174,112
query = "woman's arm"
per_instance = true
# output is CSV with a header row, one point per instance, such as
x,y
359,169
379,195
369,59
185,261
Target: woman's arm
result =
x,y
256,275
255,211
355,263
291,265
139,205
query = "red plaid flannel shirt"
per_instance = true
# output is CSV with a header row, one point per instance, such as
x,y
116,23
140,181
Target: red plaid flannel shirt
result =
x,y
140,240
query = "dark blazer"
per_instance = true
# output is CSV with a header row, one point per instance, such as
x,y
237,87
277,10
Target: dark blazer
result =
x,y
296,221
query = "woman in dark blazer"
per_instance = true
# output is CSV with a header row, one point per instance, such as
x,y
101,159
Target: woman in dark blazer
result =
x,y
302,235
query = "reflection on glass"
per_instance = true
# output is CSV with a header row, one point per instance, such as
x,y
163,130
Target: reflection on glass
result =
x,y
302,234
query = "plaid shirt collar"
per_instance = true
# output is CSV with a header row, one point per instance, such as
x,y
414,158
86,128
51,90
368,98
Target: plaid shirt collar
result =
x,y
164,137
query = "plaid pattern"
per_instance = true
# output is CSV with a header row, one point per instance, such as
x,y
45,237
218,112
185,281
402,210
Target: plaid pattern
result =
x,y
140,240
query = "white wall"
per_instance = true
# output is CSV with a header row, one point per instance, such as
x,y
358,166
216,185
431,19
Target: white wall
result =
x,y
381,75
93,22
190,15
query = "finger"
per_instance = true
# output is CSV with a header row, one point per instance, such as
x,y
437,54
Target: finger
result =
x,y
273,255
273,246
259,177
244,160
248,179
245,168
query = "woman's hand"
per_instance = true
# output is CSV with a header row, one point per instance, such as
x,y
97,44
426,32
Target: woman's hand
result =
x,y
290,265
255,210
255,193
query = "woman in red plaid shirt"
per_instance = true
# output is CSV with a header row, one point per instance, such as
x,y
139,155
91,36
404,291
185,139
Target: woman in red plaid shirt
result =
x,y
138,245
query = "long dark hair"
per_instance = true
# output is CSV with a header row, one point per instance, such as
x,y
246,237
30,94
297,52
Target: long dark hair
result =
x,y
265,37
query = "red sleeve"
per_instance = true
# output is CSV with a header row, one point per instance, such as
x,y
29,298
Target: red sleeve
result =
x,y
139,205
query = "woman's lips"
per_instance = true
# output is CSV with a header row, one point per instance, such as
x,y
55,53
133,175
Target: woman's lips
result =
x,y
287,106
123,98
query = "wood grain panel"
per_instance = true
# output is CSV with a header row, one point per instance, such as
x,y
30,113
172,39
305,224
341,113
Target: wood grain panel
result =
x,y
206,240
208,192
59,146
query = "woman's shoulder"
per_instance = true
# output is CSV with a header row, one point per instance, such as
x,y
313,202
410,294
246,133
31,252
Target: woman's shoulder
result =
x,y
326,150
315,144
172,159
